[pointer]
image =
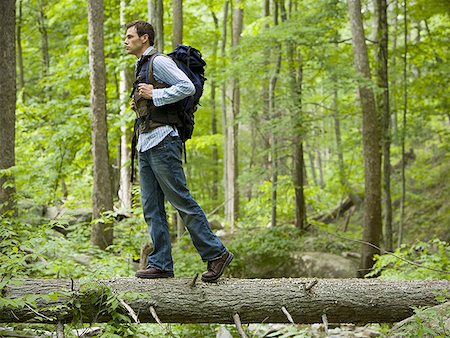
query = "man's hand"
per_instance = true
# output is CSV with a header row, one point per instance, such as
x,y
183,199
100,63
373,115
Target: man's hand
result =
x,y
145,90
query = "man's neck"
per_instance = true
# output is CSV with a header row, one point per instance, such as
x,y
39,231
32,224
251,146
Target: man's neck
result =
x,y
144,51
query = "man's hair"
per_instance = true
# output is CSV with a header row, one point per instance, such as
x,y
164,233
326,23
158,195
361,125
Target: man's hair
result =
x,y
143,27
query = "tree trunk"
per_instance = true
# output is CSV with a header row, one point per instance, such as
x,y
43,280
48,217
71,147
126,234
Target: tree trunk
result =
x,y
312,163
177,38
156,18
371,142
7,103
274,137
21,87
214,131
238,22
225,122
337,134
383,103
125,131
403,134
394,10
102,232
273,118
232,131
177,23
296,84
44,38
256,300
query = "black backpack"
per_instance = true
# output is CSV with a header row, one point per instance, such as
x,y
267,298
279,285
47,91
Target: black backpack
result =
x,y
190,61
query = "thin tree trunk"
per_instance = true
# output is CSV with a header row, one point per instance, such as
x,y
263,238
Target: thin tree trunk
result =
x,y
403,134
371,143
274,137
177,24
156,18
273,117
44,38
225,121
319,162
125,134
214,129
312,163
337,134
232,165
238,22
394,77
7,104
265,99
383,103
296,84
21,87
177,38
102,232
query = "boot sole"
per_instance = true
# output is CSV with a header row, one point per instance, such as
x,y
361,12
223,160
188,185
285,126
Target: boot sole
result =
x,y
153,276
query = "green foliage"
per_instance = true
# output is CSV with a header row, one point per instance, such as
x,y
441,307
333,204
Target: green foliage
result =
x,y
53,141
263,250
428,322
431,260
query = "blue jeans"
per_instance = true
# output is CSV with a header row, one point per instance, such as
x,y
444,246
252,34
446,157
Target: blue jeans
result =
x,y
162,176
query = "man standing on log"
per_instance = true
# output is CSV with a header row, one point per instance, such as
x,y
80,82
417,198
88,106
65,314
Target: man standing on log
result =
x,y
159,85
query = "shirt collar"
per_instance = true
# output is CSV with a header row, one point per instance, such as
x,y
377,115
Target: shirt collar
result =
x,y
147,51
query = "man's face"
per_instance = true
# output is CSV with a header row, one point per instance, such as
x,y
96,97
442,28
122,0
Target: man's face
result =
x,y
135,44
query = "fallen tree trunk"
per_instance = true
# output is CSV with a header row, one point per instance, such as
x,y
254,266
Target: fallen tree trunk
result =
x,y
187,301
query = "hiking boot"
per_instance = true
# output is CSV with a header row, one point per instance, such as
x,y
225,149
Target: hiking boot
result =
x,y
217,267
152,273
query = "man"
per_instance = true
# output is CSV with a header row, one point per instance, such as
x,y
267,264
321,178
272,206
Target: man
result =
x,y
160,85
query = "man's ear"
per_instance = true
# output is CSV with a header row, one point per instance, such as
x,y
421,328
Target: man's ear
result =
x,y
144,38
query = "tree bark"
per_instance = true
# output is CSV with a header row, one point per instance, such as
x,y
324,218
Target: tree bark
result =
x,y
156,18
383,103
177,27
232,130
371,142
7,103
274,137
225,122
296,87
21,87
214,130
403,134
255,300
338,137
125,132
102,233
44,38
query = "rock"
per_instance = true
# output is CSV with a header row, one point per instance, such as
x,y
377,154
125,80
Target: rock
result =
x,y
223,333
215,224
53,212
299,264
221,233
79,215
325,265
31,212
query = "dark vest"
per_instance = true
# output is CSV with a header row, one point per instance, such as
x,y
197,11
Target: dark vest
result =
x,y
150,116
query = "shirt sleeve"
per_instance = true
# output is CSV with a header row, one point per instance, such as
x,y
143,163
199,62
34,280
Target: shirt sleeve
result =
x,y
165,70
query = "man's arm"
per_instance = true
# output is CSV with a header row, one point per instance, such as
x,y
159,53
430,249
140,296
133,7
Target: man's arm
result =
x,y
165,70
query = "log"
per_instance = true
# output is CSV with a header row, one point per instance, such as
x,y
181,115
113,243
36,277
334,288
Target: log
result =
x,y
180,300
